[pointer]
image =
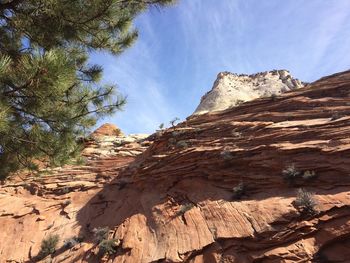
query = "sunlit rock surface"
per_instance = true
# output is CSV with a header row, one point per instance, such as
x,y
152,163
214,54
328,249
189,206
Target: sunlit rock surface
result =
x,y
174,202
230,89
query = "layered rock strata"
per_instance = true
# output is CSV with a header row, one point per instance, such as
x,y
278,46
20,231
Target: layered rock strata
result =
x,y
220,187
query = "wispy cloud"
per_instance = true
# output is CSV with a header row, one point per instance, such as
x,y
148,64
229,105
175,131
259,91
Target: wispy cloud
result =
x,y
181,50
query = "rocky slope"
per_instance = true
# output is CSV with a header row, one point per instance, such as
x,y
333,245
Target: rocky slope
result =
x,y
210,190
231,89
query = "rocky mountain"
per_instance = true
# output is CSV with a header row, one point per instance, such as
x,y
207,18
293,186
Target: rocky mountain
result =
x,y
266,181
231,89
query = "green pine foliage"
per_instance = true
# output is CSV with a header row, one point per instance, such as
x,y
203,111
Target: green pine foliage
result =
x,y
49,93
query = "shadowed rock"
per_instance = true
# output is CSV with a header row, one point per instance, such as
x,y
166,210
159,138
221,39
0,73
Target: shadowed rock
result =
x,y
177,204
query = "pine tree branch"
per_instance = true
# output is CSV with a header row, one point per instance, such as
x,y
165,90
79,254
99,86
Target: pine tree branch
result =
x,y
10,5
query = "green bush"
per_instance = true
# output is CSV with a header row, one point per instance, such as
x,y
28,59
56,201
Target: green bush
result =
x,y
108,246
290,174
48,245
101,233
306,202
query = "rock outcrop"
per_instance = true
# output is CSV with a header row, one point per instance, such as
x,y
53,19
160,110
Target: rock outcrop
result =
x,y
231,89
220,187
108,140
107,129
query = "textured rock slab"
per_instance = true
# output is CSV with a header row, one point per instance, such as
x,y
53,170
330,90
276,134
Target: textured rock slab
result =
x,y
176,203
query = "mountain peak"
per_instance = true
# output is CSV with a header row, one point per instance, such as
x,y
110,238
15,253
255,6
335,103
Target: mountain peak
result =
x,y
231,89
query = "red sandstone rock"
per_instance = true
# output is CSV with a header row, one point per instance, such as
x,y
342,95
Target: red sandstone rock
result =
x,y
107,129
174,202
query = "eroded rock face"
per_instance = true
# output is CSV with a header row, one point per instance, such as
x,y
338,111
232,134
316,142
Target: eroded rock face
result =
x,y
108,140
175,202
32,207
231,89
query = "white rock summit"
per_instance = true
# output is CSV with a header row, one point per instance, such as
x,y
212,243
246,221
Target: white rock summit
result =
x,y
231,89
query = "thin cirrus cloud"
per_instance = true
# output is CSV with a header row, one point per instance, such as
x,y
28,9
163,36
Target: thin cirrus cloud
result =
x,y
181,50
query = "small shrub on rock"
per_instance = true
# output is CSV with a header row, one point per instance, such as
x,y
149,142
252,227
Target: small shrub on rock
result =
x,y
173,122
182,144
184,208
226,155
71,242
290,174
108,247
306,202
309,175
171,142
100,233
48,246
238,191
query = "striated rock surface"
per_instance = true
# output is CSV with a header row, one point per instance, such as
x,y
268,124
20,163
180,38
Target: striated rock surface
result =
x,y
210,190
231,89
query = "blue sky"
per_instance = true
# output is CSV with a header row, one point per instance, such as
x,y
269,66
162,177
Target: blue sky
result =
x,y
181,50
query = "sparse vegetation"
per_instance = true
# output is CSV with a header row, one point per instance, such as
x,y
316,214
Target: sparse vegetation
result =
x,y
101,233
177,133
335,116
182,144
43,172
108,246
48,246
238,191
64,190
226,155
306,202
173,122
290,174
309,175
71,242
80,160
184,208
161,126
172,141
273,97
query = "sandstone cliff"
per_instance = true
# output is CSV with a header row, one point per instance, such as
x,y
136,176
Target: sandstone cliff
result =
x,y
220,187
231,89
